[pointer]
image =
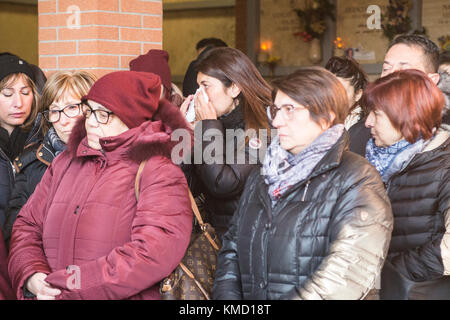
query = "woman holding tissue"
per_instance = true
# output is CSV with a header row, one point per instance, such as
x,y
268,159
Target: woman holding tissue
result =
x,y
232,98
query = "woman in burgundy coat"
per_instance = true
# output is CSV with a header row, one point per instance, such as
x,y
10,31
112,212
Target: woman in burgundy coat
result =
x,y
82,234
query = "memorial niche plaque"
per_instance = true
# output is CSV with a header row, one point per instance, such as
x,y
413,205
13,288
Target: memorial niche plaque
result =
x,y
352,25
436,18
278,23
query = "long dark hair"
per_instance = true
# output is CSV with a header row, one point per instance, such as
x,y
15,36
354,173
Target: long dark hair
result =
x,y
232,66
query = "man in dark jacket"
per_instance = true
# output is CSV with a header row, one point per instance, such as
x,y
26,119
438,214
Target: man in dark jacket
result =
x,y
190,79
404,52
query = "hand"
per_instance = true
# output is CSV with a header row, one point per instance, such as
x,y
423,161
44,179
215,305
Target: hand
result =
x,y
184,108
185,105
42,290
204,110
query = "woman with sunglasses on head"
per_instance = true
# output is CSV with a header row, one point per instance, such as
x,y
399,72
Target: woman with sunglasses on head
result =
x,y
84,233
61,107
411,150
316,223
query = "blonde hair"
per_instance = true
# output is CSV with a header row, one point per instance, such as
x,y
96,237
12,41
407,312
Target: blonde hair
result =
x,y
75,82
12,79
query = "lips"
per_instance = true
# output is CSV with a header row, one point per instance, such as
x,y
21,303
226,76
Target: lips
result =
x,y
17,114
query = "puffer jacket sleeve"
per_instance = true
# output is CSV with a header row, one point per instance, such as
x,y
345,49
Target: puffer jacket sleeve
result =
x,y
160,234
6,183
26,255
19,196
360,232
227,283
431,260
222,180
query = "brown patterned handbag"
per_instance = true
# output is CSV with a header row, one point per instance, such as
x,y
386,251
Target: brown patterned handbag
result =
x,y
193,278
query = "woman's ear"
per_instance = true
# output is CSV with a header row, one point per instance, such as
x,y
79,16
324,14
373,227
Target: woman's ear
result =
x,y
358,95
234,90
326,125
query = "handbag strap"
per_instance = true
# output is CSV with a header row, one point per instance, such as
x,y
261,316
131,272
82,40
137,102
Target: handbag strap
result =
x,y
193,205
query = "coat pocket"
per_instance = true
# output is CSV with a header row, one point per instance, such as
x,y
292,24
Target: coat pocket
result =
x,y
395,286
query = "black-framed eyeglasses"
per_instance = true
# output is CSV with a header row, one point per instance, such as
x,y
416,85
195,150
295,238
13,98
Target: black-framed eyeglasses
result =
x,y
71,111
287,111
102,116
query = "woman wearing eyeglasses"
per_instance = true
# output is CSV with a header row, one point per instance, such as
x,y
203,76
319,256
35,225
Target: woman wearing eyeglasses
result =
x,y
61,107
316,223
83,234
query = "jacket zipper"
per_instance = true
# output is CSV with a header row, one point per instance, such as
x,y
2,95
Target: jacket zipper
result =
x,y
306,190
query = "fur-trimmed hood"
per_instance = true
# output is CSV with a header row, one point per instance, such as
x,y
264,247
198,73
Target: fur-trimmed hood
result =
x,y
151,138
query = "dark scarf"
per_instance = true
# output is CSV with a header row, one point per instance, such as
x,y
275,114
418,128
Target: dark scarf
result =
x,y
55,141
12,145
234,119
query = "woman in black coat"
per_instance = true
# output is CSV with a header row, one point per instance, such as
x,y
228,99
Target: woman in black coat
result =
x,y
236,96
60,106
316,222
412,153
18,109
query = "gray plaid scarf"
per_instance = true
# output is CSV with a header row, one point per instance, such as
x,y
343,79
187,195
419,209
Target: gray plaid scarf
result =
x,y
282,169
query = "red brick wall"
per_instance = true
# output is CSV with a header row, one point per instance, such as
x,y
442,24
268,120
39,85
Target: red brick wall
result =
x,y
109,35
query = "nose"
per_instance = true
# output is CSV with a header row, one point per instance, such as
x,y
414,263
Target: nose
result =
x,y
370,120
92,121
63,119
278,121
18,102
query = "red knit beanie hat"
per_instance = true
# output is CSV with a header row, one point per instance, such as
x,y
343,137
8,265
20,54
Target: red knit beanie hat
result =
x,y
155,61
132,96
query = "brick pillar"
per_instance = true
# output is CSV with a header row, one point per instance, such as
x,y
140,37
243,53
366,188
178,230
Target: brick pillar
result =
x,y
97,35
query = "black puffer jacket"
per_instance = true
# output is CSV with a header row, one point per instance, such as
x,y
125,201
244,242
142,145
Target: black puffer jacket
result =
x,y
30,165
10,147
221,182
327,238
418,264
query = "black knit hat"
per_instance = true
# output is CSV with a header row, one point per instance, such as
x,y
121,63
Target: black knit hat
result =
x,y
10,64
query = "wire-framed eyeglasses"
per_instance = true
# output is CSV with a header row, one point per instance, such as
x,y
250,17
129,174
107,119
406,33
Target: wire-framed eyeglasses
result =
x,y
287,111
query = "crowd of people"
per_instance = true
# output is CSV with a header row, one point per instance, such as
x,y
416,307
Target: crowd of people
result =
x,y
350,200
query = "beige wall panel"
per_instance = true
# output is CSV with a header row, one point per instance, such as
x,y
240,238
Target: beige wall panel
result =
x,y
278,23
19,30
436,18
183,29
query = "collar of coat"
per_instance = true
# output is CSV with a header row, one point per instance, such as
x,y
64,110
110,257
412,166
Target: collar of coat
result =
x,y
151,138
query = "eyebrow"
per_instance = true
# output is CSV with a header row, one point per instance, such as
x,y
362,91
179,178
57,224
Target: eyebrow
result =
x,y
24,87
401,63
65,105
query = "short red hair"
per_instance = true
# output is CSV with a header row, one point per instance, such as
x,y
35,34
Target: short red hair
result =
x,y
411,101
